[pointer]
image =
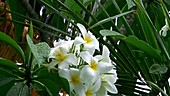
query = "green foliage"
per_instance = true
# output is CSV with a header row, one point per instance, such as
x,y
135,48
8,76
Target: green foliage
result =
x,y
5,38
158,69
40,50
17,80
17,7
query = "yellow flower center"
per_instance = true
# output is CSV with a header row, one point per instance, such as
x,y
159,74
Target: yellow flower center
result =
x,y
60,57
93,65
87,39
88,93
74,79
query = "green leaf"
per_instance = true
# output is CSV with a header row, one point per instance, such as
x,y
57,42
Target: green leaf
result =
x,y
19,89
158,69
4,81
9,66
133,40
167,1
40,50
130,3
111,33
16,6
6,87
5,38
52,82
140,44
110,19
72,5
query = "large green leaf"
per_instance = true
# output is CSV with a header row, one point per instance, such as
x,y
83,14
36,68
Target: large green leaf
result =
x,y
40,50
19,89
16,6
5,38
4,81
133,40
52,82
9,66
6,87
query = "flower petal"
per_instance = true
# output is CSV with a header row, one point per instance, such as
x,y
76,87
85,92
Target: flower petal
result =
x,y
65,73
87,75
72,59
102,91
86,56
82,29
79,40
105,52
105,67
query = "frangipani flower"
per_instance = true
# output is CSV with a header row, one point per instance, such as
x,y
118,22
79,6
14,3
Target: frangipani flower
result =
x,y
108,81
91,71
89,40
73,77
90,90
61,57
87,75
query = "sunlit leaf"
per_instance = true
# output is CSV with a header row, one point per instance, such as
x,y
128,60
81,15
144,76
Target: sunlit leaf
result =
x,y
133,40
40,50
158,69
130,3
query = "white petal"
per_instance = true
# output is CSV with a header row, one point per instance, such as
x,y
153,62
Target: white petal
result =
x,y
72,59
97,85
86,56
79,40
111,79
82,29
79,89
63,65
90,49
63,50
74,71
65,73
111,88
105,67
105,52
109,83
87,75
102,91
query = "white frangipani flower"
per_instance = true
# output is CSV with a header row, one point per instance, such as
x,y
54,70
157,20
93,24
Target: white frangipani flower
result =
x,y
108,81
62,58
89,40
73,77
90,90
91,70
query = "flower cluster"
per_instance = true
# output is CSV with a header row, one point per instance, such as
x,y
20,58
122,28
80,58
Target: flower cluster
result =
x,y
88,75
